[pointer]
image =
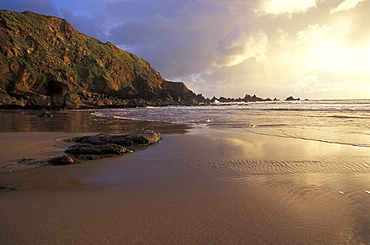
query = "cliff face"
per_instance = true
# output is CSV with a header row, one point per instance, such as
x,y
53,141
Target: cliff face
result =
x,y
45,62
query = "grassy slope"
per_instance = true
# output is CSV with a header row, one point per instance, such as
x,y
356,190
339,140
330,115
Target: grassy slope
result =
x,y
35,49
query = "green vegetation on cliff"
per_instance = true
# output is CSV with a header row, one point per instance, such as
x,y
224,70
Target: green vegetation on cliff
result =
x,y
46,62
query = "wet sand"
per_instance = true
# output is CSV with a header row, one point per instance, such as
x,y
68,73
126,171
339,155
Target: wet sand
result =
x,y
202,187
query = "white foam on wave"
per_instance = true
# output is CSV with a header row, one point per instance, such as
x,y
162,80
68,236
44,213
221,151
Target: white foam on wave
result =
x,y
284,135
336,122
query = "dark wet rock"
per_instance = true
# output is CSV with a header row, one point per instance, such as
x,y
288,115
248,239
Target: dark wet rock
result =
x,y
99,139
27,161
120,140
46,114
7,188
102,145
89,157
103,149
62,160
147,138
38,100
134,139
33,161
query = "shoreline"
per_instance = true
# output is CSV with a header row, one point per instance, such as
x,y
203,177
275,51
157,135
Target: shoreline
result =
x,y
31,146
80,121
204,186
25,136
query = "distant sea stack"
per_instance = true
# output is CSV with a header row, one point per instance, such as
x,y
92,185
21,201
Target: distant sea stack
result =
x,y
247,98
291,98
46,63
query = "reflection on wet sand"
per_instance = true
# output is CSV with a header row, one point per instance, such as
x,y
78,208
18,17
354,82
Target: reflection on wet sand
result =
x,y
203,187
79,121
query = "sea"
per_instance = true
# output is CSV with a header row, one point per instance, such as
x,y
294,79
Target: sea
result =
x,y
344,122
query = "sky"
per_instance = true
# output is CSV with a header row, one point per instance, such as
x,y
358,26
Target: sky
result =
x,y
311,49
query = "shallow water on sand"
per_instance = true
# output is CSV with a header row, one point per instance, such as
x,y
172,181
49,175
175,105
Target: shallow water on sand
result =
x,y
336,121
78,122
205,186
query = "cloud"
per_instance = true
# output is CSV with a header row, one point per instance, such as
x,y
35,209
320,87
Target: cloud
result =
x,y
272,48
289,7
83,24
346,5
238,46
39,6
313,33
188,37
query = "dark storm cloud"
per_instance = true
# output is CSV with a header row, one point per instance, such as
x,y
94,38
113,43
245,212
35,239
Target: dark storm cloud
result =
x,y
179,37
92,26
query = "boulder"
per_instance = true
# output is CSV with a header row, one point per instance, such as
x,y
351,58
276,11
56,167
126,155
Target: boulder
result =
x,y
73,100
62,160
38,101
5,98
46,114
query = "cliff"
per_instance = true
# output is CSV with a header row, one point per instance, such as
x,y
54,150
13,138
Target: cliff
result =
x,y
46,63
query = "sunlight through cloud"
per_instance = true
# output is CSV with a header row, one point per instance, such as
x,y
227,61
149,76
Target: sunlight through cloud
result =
x,y
346,5
277,7
232,47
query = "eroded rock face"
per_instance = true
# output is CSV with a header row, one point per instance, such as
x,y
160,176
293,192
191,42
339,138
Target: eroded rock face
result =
x,y
45,62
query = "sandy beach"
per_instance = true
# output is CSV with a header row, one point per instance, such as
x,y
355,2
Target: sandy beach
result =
x,y
198,186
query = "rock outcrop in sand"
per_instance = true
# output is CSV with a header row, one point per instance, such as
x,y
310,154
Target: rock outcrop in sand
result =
x,y
102,145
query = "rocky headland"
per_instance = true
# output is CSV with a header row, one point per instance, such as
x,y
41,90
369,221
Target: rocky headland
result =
x,y
46,63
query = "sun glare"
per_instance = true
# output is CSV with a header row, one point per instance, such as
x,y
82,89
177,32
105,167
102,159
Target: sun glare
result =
x,y
328,57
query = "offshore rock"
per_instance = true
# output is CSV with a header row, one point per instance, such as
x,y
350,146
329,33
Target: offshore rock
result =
x,y
291,98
